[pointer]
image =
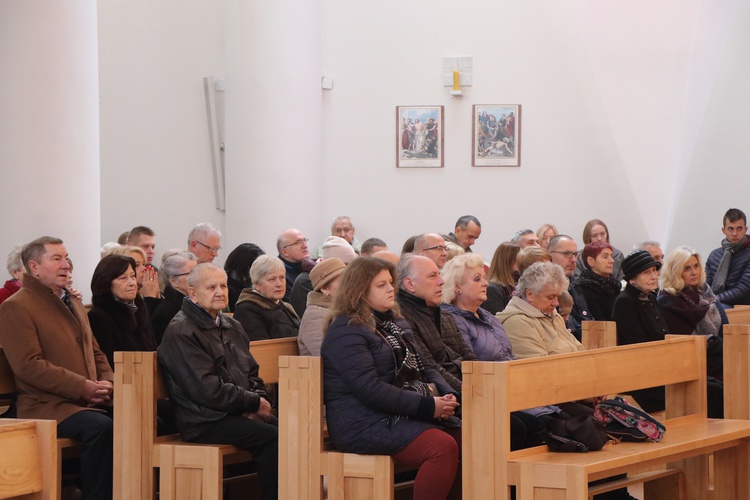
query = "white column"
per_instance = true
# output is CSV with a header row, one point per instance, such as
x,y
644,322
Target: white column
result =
x,y
49,128
274,173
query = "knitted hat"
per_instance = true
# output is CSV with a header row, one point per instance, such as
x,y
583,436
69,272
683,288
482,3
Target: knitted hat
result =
x,y
325,272
338,247
637,262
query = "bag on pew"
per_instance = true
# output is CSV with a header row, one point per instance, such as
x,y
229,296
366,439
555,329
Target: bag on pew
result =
x,y
578,434
628,423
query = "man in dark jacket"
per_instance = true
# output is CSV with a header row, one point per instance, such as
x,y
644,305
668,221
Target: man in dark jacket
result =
x,y
213,379
438,340
564,252
728,267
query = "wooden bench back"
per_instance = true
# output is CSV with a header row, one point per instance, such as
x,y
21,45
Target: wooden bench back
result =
x,y
740,315
267,354
737,371
598,334
492,390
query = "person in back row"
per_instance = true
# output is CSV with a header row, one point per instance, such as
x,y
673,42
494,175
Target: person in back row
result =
x,y
466,232
293,252
728,267
261,309
204,241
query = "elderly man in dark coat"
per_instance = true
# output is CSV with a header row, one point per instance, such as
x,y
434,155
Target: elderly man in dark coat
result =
x,y
61,374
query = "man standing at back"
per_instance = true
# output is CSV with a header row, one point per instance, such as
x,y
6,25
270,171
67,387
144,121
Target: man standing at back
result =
x,y
466,233
728,267
60,372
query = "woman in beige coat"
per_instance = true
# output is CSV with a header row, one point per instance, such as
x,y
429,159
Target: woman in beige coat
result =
x,y
531,320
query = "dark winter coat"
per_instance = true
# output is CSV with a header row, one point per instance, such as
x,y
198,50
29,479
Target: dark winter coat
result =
x,y
167,310
265,319
438,340
498,297
599,293
209,370
366,411
117,328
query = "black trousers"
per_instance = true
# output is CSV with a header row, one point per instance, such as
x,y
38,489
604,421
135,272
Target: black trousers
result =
x,y
259,438
94,429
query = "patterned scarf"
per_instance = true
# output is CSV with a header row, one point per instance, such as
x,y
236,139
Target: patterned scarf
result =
x,y
408,365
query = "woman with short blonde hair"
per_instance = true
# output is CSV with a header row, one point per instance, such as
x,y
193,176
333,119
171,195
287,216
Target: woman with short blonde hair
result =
x,y
546,233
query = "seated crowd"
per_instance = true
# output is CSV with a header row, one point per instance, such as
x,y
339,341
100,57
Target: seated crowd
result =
x,y
392,329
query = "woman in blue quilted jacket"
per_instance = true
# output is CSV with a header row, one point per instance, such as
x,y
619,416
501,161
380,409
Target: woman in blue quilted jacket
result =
x,y
380,399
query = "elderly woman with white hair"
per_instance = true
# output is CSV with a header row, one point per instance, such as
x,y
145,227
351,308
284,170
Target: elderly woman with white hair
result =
x,y
260,309
16,270
532,322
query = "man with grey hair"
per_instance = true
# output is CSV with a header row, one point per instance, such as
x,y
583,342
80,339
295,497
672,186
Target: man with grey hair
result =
x,y
432,246
564,252
438,340
60,372
295,254
525,238
213,379
204,241
16,270
466,232
652,247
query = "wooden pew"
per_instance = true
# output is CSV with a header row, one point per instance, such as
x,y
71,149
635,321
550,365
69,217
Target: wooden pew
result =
x,y
740,315
304,459
736,371
66,448
187,470
598,334
492,390
28,459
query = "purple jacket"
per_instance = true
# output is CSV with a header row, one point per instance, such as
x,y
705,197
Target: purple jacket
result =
x,y
485,335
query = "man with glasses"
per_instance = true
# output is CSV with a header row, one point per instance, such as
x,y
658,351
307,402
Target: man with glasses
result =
x,y
564,252
293,252
204,242
432,246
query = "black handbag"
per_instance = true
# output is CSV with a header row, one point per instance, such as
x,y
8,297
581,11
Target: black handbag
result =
x,y
578,434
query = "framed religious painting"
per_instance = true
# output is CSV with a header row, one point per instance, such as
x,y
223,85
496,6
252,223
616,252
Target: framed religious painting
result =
x,y
496,135
419,136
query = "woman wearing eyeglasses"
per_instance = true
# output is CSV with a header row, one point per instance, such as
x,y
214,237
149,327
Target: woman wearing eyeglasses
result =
x,y
174,271
260,309
377,391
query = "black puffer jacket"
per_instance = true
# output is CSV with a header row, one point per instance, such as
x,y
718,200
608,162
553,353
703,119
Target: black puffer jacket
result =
x,y
209,369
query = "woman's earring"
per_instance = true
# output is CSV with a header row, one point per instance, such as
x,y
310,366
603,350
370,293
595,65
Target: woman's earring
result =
x,y
458,292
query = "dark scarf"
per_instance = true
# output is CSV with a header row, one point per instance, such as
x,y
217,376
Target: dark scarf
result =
x,y
696,310
722,271
606,286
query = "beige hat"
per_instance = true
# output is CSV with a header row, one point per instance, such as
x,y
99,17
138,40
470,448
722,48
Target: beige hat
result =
x,y
325,271
338,247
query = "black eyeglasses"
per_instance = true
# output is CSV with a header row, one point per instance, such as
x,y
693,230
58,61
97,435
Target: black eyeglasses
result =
x,y
567,254
440,248
298,242
210,249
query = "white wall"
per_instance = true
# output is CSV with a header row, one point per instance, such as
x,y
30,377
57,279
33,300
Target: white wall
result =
x,y
634,113
49,122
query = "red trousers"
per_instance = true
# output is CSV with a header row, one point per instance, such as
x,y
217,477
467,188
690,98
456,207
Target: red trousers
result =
x,y
436,453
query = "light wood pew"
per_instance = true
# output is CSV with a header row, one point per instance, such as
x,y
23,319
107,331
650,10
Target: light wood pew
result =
x,y
66,448
187,470
304,459
598,334
28,459
740,315
737,371
492,390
